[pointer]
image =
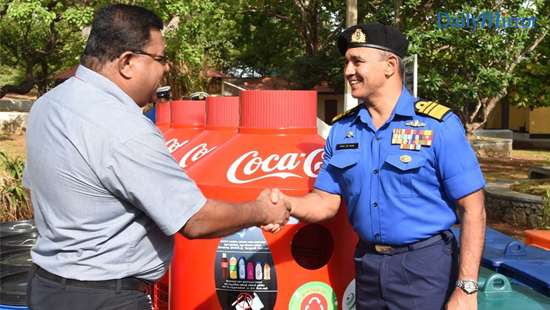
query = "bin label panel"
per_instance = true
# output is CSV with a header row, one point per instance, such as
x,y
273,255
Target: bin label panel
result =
x,y
244,272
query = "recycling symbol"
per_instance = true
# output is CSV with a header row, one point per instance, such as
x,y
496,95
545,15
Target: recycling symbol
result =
x,y
314,301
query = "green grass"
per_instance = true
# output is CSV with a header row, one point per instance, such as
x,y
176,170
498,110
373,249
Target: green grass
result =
x,y
533,187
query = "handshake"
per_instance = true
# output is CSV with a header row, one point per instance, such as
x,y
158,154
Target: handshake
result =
x,y
276,207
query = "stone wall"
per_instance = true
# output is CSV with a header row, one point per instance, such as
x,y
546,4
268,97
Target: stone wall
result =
x,y
15,105
492,147
514,208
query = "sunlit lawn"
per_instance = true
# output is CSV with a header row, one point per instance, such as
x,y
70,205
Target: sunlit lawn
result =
x,y
515,168
13,145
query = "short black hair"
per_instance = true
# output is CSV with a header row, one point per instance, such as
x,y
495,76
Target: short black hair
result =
x,y
116,29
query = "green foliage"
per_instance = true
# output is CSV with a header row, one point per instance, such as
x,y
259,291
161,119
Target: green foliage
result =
x,y
295,40
39,38
14,201
203,40
466,68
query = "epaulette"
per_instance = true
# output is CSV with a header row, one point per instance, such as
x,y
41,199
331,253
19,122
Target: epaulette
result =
x,y
346,113
432,109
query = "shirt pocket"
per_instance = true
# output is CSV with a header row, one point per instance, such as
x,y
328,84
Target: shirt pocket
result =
x,y
397,175
345,168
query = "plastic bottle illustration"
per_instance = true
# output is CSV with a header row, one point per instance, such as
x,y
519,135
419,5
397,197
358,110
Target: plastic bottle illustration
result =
x,y
267,272
242,268
224,264
233,268
259,274
250,271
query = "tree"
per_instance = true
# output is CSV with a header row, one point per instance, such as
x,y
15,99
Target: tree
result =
x,y
200,36
470,70
39,38
293,39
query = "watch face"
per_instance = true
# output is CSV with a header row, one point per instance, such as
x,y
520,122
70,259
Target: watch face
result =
x,y
469,287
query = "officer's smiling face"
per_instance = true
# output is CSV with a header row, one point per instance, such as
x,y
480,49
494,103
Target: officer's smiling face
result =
x,y
364,71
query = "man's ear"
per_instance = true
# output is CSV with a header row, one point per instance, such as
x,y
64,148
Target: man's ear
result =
x,y
125,65
392,66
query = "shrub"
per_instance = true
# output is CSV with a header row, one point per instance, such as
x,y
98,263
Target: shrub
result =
x,y
14,199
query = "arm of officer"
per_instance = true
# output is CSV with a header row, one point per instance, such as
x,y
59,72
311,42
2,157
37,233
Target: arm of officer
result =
x,y
315,206
217,218
472,234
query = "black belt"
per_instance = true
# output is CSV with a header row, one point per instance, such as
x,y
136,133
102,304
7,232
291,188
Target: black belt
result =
x,y
396,249
134,284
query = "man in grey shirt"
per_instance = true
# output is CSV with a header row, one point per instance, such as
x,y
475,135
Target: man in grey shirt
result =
x,y
107,195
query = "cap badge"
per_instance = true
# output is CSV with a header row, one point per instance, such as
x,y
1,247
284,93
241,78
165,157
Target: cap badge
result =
x,y
358,36
349,134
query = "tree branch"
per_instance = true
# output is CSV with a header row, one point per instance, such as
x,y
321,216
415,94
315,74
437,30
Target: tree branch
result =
x,y
479,104
521,56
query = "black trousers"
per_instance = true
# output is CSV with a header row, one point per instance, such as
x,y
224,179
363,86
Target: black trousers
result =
x,y
420,279
51,295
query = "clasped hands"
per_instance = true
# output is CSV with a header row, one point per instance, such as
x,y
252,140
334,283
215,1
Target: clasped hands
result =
x,y
277,208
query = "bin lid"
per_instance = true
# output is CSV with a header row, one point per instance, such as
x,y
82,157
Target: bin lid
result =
x,y
500,248
535,273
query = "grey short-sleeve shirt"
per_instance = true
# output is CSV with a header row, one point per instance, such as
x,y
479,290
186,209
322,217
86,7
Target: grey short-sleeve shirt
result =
x,y
106,193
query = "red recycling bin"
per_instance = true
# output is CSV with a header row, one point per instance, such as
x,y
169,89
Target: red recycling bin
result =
x,y
222,120
162,117
302,266
187,121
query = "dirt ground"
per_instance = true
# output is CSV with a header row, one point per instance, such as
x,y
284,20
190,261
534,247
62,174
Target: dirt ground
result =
x,y
13,145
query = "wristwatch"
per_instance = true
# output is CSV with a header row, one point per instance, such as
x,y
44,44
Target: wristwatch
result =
x,y
468,286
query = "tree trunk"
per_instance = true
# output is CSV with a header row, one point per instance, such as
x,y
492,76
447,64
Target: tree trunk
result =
x,y
23,87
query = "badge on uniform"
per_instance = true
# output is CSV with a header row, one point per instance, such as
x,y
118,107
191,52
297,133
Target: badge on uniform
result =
x,y
405,159
347,146
415,123
411,139
349,134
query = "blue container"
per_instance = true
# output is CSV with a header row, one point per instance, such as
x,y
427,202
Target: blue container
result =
x,y
496,292
535,273
152,114
500,248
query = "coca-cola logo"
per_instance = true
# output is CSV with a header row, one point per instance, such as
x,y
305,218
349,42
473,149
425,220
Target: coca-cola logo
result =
x,y
174,144
195,154
251,163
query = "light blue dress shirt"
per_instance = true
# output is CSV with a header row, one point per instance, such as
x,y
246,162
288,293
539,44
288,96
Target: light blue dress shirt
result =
x,y
394,195
107,195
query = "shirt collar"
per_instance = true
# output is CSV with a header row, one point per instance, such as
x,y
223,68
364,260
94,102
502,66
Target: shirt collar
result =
x,y
404,107
106,85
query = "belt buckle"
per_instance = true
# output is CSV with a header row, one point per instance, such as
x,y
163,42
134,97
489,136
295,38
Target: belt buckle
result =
x,y
383,249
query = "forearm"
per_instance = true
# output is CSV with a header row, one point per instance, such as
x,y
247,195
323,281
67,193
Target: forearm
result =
x,y
472,237
218,219
315,206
